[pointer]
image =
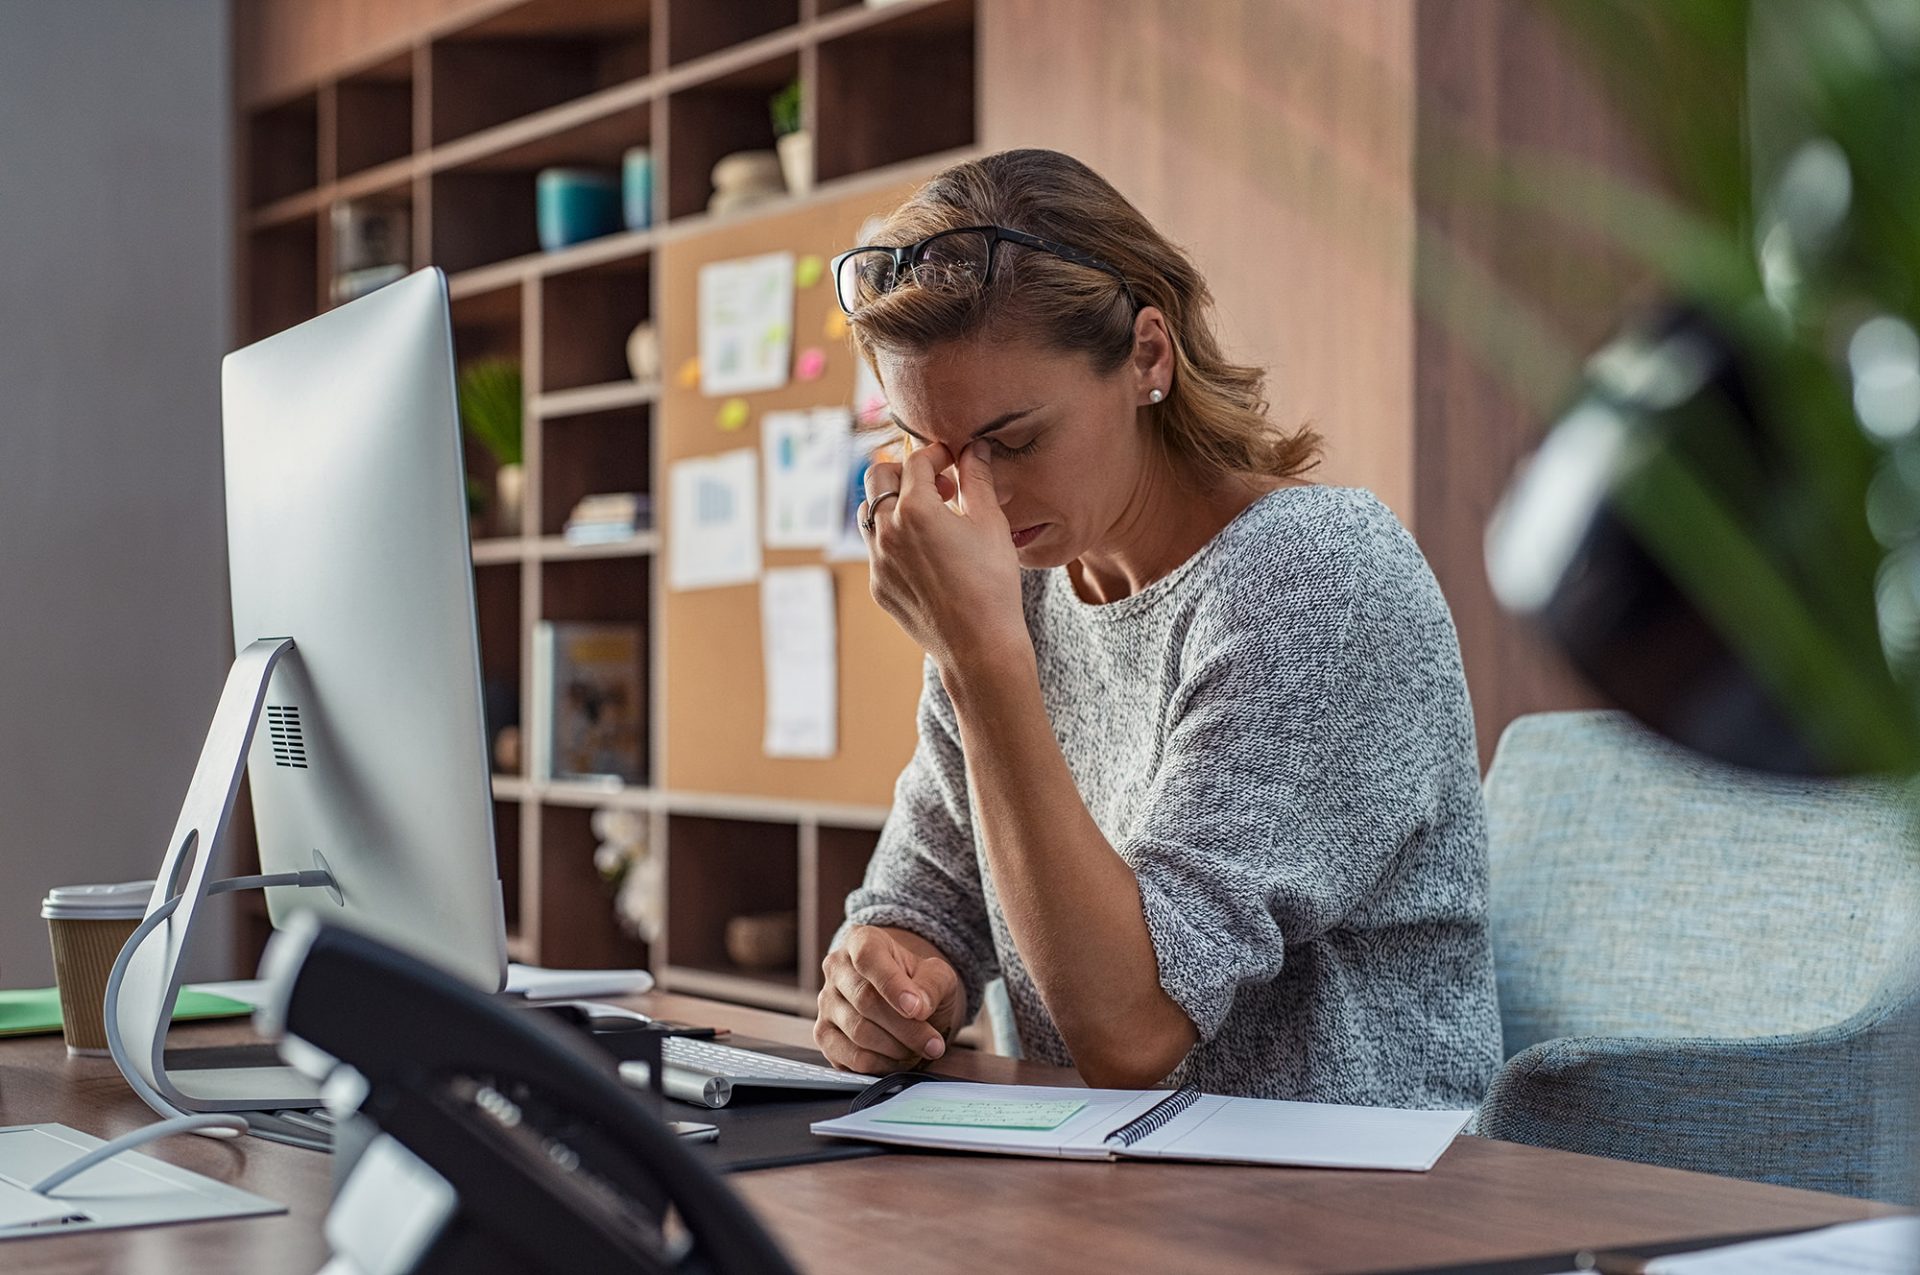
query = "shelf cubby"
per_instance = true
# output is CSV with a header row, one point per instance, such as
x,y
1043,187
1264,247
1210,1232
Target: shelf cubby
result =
x,y
612,590
571,890
283,150
496,596
696,28
487,324
718,117
283,278
586,317
373,114
533,57
593,453
894,90
395,194
720,869
506,843
481,217
841,865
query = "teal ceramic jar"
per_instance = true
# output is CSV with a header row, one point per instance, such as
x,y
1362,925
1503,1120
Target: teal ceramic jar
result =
x,y
574,205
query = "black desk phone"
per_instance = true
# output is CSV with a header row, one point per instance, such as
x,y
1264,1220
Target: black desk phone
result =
x,y
505,1140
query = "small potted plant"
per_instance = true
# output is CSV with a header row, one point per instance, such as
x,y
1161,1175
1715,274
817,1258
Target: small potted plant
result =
x,y
491,396
794,142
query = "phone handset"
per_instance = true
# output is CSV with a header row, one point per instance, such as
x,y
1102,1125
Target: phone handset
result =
x,y
512,1142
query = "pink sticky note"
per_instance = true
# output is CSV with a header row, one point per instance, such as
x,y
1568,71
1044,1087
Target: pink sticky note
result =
x,y
810,363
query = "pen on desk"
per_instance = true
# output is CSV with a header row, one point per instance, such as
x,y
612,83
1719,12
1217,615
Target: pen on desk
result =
x,y
1602,1263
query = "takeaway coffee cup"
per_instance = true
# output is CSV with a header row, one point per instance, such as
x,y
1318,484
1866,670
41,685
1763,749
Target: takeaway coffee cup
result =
x,y
88,925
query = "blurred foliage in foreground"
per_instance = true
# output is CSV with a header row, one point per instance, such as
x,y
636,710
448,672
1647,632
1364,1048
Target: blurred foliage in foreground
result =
x,y
1723,528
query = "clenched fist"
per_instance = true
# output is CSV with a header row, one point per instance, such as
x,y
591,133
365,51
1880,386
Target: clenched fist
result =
x,y
889,1001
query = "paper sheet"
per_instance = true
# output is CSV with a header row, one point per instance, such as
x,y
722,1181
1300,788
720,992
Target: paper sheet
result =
x,y
746,324
132,1189
798,641
1882,1246
714,534
804,458
862,450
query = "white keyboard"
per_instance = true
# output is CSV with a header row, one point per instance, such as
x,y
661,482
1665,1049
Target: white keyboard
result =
x,y
705,1073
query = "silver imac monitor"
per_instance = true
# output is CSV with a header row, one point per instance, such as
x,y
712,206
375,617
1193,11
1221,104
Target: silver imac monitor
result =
x,y
355,701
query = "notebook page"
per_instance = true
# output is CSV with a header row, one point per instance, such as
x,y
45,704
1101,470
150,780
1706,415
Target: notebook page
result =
x,y
1307,1134
1080,1136
1882,1246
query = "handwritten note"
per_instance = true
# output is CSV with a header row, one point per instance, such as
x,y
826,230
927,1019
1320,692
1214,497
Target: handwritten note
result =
x,y
798,642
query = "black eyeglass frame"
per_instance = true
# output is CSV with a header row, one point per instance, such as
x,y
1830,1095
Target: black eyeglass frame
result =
x,y
907,256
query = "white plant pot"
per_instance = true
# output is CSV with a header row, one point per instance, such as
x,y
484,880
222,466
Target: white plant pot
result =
x,y
796,161
509,498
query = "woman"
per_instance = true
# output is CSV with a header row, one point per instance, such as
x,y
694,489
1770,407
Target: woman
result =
x,y
1196,771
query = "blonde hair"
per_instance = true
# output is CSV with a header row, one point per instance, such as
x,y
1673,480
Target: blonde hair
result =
x,y
1214,416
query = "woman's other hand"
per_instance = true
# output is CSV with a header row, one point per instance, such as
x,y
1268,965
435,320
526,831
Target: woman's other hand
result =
x,y
888,1002
945,568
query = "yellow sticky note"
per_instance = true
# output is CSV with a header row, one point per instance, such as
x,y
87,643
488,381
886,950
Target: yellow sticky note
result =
x,y
733,414
689,374
836,325
807,270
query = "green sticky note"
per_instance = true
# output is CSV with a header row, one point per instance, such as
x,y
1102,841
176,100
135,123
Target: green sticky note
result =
x,y
976,1114
807,271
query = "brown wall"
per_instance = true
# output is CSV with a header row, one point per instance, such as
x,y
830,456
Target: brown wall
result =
x,y
1295,147
1275,141
1495,76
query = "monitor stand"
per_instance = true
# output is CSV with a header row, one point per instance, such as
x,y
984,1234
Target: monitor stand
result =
x,y
151,982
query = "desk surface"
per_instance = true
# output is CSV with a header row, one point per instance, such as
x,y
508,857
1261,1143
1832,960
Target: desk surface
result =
x,y
1484,1201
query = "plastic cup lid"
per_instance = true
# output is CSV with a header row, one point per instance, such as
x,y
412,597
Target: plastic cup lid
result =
x,y
97,902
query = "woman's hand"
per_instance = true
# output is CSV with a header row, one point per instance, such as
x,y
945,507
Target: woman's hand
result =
x,y
888,1002
946,573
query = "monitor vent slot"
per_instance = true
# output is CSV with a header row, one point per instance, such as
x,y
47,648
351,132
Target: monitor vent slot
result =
x,y
289,745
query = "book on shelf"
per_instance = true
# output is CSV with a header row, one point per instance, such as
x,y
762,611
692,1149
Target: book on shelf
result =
x,y
608,517
589,719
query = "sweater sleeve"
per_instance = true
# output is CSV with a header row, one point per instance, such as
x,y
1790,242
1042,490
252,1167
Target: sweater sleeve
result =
x,y
1298,768
924,876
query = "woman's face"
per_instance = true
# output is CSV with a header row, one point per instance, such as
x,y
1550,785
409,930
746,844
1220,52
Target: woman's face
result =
x,y
1070,450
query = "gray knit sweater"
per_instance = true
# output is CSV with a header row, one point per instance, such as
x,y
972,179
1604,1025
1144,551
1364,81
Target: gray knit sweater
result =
x,y
1276,738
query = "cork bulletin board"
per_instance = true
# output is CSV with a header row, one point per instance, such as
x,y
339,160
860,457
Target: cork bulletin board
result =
x,y
713,690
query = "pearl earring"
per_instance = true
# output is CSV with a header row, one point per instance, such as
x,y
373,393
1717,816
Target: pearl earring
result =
x,y
1155,396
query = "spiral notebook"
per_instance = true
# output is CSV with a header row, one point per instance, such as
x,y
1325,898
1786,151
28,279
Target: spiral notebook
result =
x,y
1157,1124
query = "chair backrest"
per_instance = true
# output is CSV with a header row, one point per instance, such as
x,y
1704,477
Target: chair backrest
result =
x,y
1640,890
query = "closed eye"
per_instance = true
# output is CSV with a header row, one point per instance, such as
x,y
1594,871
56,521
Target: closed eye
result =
x,y
1010,453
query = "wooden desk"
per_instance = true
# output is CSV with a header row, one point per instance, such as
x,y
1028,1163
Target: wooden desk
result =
x,y
1483,1201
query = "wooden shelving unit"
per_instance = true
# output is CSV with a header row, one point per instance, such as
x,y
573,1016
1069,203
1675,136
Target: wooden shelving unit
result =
x,y
453,128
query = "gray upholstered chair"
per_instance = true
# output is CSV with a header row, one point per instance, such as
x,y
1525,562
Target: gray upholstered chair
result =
x,y
1701,967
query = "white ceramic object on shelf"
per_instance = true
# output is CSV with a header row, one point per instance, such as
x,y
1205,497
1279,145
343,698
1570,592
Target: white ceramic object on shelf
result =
x,y
509,497
746,178
796,161
643,352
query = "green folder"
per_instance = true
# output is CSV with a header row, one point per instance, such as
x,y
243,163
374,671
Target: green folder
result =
x,y
36,1010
